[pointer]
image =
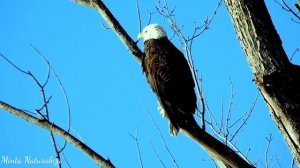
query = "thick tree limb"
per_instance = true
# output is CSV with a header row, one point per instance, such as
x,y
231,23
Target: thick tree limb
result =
x,y
277,79
114,24
59,131
224,156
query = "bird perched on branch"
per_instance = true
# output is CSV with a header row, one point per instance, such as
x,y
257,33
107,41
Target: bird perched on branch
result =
x,y
169,75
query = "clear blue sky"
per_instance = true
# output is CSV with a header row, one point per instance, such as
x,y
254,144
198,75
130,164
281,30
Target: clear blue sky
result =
x,y
108,94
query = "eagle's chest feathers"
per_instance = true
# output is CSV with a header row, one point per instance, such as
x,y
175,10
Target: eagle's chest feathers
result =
x,y
157,60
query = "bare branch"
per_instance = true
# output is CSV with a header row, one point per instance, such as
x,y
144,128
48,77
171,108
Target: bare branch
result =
x,y
19,69
267,161
61,87
287,8
57,154
294,53
114,24
135,138
223,130
162,137
207,22
65,159
139,15
245,117
44,105
229,111
150,17
202,112
213,121
156,154
222,154
60,132
293,163
105,26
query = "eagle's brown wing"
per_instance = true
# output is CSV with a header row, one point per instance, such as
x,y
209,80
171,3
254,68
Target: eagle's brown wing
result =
x,y
169,76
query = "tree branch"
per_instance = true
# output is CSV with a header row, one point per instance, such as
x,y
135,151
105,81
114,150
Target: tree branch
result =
x,y
114,24
105,163
287,8
135,138
222,154
62,88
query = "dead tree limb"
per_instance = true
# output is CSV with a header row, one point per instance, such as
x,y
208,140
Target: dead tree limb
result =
x,y
114,24
277,79
101,161
224,156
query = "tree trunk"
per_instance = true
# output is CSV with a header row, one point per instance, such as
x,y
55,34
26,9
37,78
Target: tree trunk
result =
x,y
277,79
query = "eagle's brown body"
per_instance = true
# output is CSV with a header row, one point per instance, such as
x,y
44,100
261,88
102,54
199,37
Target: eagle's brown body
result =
x,y
169,76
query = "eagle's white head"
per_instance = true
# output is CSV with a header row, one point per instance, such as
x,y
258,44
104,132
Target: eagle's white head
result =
x,y
152,31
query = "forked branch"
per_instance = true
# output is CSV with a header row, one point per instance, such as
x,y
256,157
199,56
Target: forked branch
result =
x,y
101,161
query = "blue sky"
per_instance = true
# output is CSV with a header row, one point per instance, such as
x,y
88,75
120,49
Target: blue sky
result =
x,y
109,96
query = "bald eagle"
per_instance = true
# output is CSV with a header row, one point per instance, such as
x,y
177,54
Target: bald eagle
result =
x,y
169,75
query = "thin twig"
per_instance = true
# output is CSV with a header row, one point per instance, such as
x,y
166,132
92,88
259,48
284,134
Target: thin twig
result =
x,y
290,9
11,63
212,121
245,117
229,111
104,26
156,154
62,89
45,104
220,131
139,15
57,154
43,117
150,16
66,160
221,128
162,137
269,139
293,163
294,53
135,138
247,153
287,8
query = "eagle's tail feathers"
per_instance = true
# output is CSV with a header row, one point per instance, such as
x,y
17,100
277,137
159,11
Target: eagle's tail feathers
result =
x,y
173,129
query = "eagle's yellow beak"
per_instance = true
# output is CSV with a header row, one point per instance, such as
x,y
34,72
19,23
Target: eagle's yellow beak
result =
x,y
141,35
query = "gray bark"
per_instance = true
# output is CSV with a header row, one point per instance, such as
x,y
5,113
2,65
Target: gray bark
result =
x,y
277,79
